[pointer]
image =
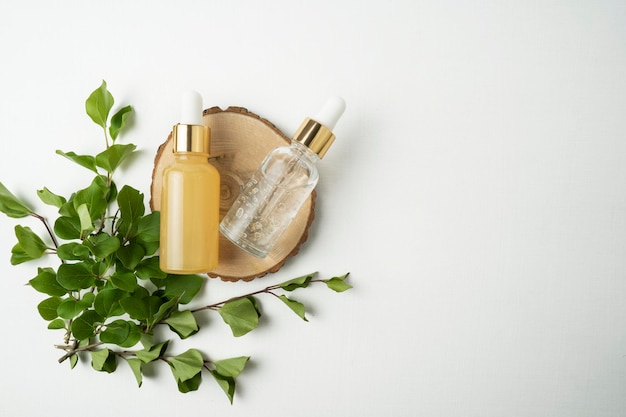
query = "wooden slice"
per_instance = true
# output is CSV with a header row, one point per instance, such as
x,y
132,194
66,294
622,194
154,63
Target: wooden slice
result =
x,y
240,140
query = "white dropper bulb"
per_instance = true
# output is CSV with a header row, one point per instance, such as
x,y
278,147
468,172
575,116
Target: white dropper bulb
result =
x,y
191,108
331,112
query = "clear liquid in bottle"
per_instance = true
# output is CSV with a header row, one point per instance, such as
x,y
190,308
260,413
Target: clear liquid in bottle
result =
x,y
271,199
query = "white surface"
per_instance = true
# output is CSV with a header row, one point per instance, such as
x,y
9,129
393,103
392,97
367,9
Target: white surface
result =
x,y
476,192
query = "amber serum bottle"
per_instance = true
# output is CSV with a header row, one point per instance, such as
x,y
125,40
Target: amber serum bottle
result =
x,y
190,197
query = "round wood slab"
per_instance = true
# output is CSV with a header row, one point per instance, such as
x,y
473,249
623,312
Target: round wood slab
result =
x,y
240,140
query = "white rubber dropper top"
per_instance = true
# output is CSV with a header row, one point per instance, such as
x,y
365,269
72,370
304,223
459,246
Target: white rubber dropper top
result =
x,y
191,108
331,112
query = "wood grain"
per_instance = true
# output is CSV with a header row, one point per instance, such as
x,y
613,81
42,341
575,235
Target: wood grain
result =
x,y
240,140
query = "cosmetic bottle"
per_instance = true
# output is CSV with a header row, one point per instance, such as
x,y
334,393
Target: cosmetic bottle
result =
x,y
272,197
190,197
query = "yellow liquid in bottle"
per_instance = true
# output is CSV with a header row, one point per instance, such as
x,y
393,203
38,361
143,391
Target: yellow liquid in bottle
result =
x,y
189,216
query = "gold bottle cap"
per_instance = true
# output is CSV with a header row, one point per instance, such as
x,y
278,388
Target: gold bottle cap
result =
x,y
315,136
316,132
191,139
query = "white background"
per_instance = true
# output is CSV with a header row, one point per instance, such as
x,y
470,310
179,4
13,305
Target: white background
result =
x,y
476,192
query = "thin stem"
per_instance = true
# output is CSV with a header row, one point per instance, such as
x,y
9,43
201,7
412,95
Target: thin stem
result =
x,y
71,350
266,290
215,306
113,221
50,232
109,179
68,333
106,136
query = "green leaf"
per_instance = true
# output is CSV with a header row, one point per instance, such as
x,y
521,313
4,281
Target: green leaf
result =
x,y
95,197
73,360
87,299
102,245
226,383
99,104
29,242
99,270
134,336
11,205
147,341
141,292
338,284
86,226
143,308
191,384
48,308
184,287
103,360
132,209
111,158
164,311
118,121
46,282
68,208
296,306
255,303
300,282
231,367
112,194
56,324
241,315
115,332
73,251
148,232
149,268
70,307
153,353
107,302
18,255
84,326
186,365
136,366
130,255
182,323
67,227
75,276
125,281
86,161
48,197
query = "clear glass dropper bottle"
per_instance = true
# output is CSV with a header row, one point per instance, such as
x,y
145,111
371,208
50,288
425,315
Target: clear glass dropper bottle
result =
x,y
190,197
272,197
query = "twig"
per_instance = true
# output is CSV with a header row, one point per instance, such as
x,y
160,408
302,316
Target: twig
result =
x,y
71,350
267,290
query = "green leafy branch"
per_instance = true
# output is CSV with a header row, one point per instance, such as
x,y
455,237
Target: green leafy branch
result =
x,y
186,367
107,294
242,313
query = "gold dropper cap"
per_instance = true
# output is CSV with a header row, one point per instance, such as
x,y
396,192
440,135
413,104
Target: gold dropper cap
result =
x,y
191,138
315,136
316,133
